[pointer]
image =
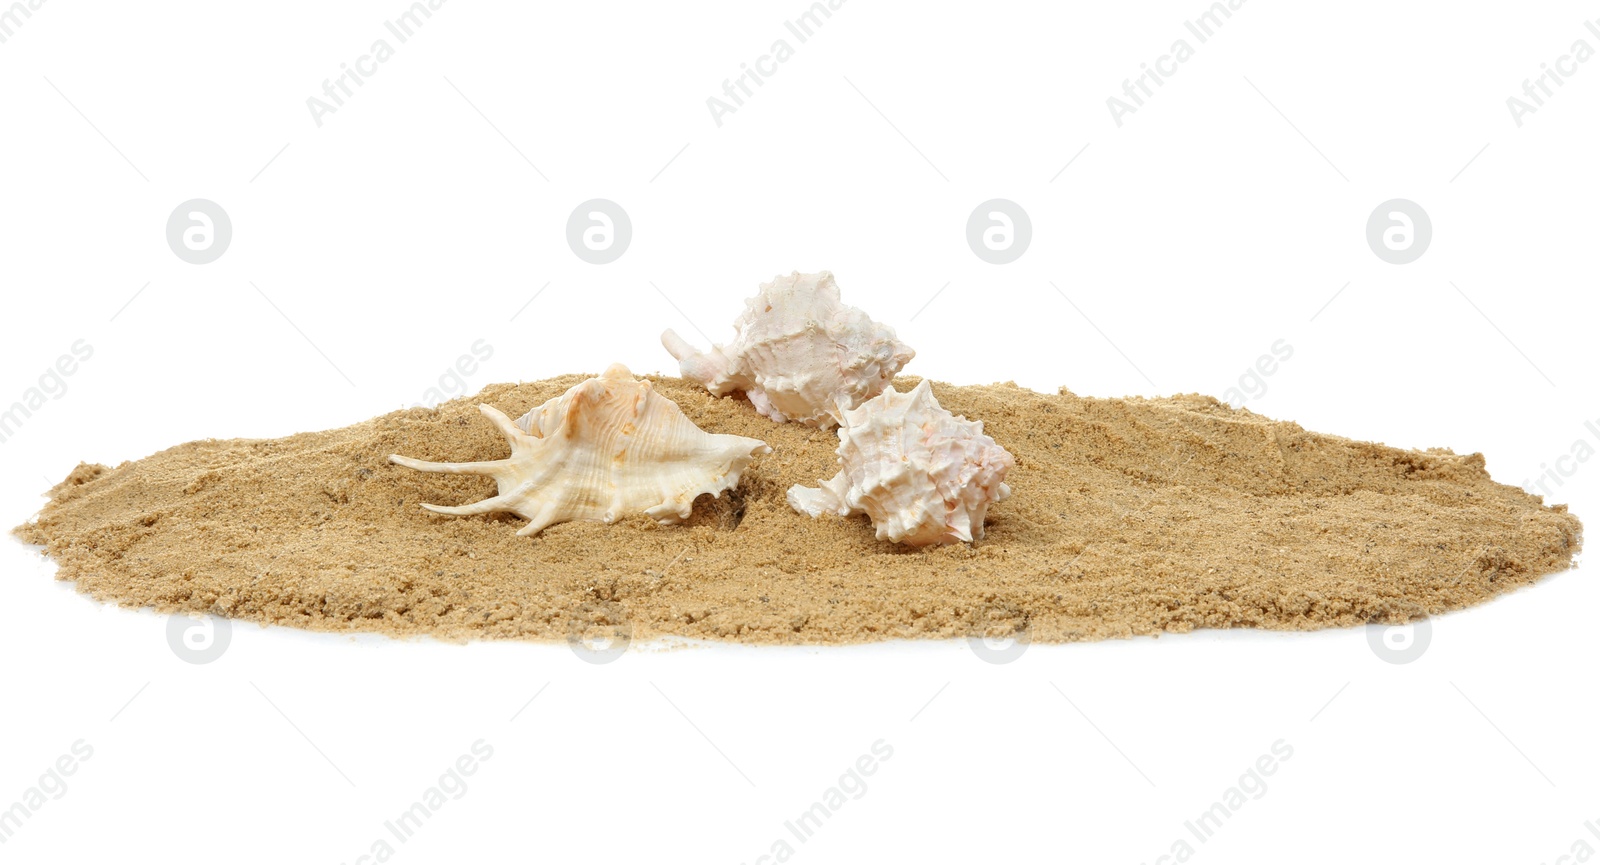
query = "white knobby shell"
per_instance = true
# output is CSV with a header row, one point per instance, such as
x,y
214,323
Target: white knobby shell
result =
x,y
608,447
923,475
798,354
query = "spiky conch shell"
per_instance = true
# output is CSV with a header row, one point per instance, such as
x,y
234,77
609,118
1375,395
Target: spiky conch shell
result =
x,y
923,475
608,447
798,353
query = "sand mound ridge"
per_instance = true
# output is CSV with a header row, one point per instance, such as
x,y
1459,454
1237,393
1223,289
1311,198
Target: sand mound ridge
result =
x,y
1129,516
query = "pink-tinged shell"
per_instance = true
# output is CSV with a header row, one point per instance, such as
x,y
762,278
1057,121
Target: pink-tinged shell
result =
x,y
799,354
608,447
923,475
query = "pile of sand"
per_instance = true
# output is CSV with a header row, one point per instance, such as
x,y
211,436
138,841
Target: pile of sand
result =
x,y
1129,516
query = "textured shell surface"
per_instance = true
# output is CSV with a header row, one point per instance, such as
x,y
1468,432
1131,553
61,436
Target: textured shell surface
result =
x,y
608,447
799,354
923,475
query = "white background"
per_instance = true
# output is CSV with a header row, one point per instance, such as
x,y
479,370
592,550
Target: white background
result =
x,y
1222,216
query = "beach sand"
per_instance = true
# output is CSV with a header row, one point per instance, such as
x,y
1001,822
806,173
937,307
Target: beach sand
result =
x,y
1128,517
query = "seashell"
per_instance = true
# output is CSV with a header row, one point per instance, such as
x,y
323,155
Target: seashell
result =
x,y
608,447
923,475
799,354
